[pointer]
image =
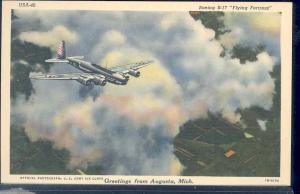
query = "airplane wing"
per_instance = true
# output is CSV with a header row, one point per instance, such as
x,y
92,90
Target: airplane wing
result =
x,y
132,66
83,78
56,61
67,76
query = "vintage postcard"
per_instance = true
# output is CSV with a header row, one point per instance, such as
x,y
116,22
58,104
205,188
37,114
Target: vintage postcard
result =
x,y
146,93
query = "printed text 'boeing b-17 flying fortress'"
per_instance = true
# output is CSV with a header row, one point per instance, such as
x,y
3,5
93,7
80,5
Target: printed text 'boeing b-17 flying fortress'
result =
x,y
92,73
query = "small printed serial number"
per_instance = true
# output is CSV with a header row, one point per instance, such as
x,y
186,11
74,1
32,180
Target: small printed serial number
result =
x,y
269,180
26,4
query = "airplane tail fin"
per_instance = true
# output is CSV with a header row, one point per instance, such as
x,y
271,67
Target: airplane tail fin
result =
x,y
61,50
60,54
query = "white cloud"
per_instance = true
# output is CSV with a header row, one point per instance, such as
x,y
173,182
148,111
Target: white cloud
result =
x,y
114,37
262,124
253,29
49,38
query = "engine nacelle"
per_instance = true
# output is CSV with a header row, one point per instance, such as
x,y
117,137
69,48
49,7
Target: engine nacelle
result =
x,y
134,73
99,81
85,81
126,76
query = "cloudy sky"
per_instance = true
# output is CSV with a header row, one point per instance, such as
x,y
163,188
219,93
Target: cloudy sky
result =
x,y
129,129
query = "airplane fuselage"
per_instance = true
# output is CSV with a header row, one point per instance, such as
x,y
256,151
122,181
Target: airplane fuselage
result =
x,y
110,76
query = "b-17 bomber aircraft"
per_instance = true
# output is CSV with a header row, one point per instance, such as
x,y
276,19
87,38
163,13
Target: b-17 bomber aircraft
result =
x,y
91,73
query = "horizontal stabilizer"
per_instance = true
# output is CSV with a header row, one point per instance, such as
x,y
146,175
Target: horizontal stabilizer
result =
x,y
56,61
76,57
